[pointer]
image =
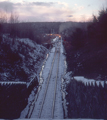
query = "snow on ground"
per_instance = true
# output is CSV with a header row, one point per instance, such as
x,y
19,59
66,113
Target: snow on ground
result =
x,y
68,77
60,105
30,55
46,68
55,39
62,47
11,82
53,49
89,81
50,92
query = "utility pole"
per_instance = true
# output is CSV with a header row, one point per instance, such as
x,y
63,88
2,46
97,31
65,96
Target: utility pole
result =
x,y
53,31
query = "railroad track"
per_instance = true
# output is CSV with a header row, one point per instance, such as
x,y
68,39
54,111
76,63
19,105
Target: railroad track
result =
x,y
46,98
53,107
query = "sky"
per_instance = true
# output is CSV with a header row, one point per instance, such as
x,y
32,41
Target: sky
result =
x,y
52,10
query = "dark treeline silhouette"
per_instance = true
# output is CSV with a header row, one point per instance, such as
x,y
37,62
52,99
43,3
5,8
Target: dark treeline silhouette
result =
x,y
32,30
86,47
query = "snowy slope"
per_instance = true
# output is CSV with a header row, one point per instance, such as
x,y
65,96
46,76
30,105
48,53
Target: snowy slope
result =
x,y
20,59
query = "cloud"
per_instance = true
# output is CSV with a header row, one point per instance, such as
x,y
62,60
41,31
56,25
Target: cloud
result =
x,y
7,6
63,4
78,7
70,16
43,3
42,11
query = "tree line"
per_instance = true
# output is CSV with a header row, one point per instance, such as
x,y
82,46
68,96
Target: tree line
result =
x,y
35,31
86,46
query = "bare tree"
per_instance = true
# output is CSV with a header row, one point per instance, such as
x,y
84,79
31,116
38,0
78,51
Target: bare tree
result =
x,y
3,19
14,18
13,25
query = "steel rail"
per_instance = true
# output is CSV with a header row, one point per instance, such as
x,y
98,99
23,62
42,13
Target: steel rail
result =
x,y
53,107
39,116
